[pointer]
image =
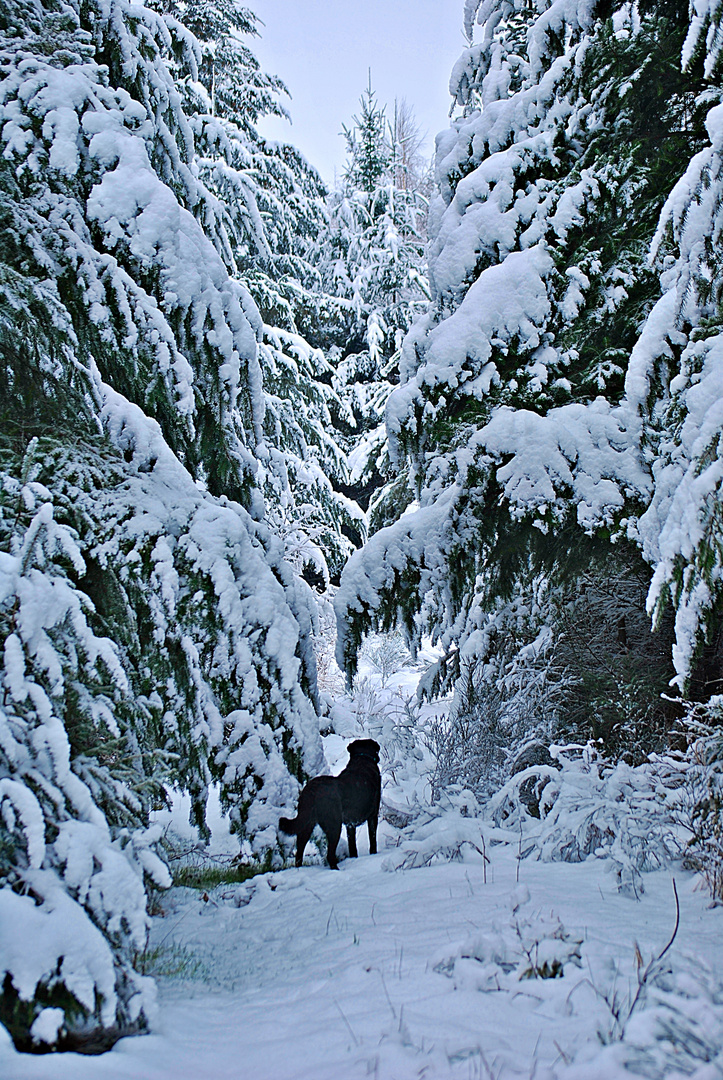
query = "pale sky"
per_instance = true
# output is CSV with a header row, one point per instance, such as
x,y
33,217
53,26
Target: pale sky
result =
x,y
322,49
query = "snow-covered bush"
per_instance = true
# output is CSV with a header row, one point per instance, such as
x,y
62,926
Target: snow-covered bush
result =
x,y
531,945
368,704
404,731
392,714
386,654
509,689
582,805
477,742
700,810
675,1029
450,831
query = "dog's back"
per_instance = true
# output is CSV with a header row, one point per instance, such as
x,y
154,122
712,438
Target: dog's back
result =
x,y
319,802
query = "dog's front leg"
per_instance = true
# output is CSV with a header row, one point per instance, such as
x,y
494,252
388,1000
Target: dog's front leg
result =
x,y
351,839
372,823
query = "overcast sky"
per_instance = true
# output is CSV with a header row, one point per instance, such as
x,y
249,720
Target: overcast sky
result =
x,y
322,49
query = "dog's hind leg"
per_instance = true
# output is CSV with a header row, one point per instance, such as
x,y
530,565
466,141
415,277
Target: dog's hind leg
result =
x,y
302,839
351,839
332,839
372,823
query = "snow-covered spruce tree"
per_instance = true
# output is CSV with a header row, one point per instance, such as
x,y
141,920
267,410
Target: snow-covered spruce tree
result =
x,y
73,851
271,204
544,432
675,383
372,257
151,630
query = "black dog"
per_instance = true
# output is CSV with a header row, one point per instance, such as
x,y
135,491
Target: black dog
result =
x,y
349,798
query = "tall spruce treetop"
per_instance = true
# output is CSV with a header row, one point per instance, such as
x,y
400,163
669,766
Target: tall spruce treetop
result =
x,y
532,409
367,146
372,257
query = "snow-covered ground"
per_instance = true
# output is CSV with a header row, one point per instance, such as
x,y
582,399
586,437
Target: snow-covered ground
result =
x,y
358,973
308,974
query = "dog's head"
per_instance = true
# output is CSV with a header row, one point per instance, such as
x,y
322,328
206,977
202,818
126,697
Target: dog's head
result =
x,y
364,748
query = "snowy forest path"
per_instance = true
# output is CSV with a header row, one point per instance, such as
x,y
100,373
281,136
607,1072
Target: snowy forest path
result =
x,y
334,976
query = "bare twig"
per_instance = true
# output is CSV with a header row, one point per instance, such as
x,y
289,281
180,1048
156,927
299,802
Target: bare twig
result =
x,y
349,1027
677,922
389,1000
565,1057
644,976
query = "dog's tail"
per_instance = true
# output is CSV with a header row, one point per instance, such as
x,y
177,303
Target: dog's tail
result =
x,y
289,825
